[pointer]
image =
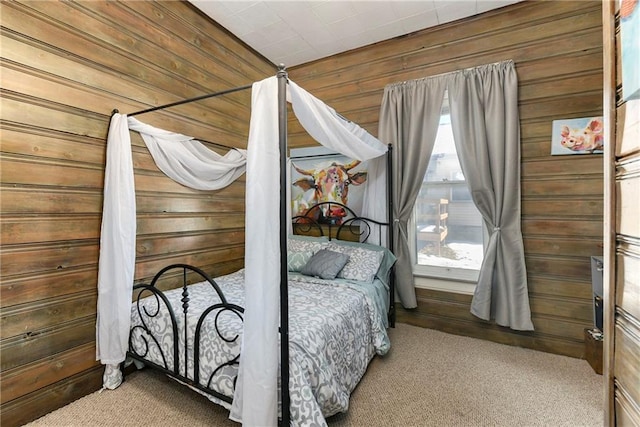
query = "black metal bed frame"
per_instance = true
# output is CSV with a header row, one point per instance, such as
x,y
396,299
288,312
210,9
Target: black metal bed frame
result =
x,y
146,335
284,309
315,218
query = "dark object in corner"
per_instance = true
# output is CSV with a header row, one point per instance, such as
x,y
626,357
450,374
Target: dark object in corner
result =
x,y
593,349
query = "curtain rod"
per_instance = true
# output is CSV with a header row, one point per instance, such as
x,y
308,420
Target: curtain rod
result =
x,y
462,70
315,156
185,101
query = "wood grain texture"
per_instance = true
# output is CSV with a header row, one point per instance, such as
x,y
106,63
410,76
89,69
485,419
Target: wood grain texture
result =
x,y
557,50
610,74
626,413
621,319
47,371
628,129
627,357
628,197
20,411
65,66
628,283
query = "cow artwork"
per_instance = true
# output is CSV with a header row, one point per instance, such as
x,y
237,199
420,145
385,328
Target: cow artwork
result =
x,y
326,183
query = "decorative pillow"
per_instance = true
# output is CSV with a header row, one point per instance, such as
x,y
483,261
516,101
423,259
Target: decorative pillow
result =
x,y
297,260
388,259
363,263
306,243
325,264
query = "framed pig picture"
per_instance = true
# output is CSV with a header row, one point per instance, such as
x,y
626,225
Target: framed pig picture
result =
x,y
577,136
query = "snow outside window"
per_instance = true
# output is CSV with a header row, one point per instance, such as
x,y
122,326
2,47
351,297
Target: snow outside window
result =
x,y
447,228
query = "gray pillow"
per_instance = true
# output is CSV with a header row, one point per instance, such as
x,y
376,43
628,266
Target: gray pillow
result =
x,y
325,264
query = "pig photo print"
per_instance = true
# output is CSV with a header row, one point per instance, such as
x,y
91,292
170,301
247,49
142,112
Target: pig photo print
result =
x,y
577,136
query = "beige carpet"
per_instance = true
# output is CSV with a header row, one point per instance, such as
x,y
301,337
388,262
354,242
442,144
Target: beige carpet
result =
x,y
429,378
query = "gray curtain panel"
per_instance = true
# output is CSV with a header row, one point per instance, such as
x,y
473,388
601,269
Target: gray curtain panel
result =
x,y
409,118
486,129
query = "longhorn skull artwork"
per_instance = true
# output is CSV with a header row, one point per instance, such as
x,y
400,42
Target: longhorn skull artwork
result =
x,y
330,183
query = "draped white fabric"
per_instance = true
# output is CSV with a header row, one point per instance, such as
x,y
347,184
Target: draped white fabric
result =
x,y
374,202
188,161
331,129
116,264
256,395
255,399
289,214
183,159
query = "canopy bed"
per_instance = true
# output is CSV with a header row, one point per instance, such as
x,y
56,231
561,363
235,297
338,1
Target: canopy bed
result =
x,y
251,308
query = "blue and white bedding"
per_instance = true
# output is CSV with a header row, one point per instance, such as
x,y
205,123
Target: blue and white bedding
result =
x,y
335,329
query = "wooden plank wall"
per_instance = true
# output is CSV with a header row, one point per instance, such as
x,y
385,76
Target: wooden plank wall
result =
x,y
65,66
557,49
622,224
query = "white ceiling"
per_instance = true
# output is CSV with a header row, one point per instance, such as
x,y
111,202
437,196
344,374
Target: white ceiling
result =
x,y
294,32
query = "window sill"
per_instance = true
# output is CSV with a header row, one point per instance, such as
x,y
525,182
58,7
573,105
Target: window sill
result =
x,y
437,284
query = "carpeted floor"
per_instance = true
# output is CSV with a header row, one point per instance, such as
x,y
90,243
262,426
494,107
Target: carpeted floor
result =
x,y
429,378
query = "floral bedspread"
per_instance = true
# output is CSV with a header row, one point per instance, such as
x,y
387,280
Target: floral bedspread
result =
x,y
335,329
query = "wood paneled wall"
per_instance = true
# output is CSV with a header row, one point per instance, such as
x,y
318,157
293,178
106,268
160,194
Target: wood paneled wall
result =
x,y
622,221
557,49
65,67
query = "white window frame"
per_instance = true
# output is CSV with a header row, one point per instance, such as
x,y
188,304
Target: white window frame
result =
x,y
441,278
446,273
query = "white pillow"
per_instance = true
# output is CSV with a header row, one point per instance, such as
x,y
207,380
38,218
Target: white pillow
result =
x,y
307,244
363,264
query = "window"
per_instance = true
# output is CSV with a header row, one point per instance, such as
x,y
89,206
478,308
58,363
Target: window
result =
x,y
448,229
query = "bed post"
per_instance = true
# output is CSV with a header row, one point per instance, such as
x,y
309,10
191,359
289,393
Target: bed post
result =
x,y
392,280
284,273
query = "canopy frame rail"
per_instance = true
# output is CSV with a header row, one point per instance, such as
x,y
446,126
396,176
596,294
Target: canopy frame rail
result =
x,y
186,101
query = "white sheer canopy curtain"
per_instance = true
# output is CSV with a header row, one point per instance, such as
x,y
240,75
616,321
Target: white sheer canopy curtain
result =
x,y
255,397
182,159
188,161
486,129
116,263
